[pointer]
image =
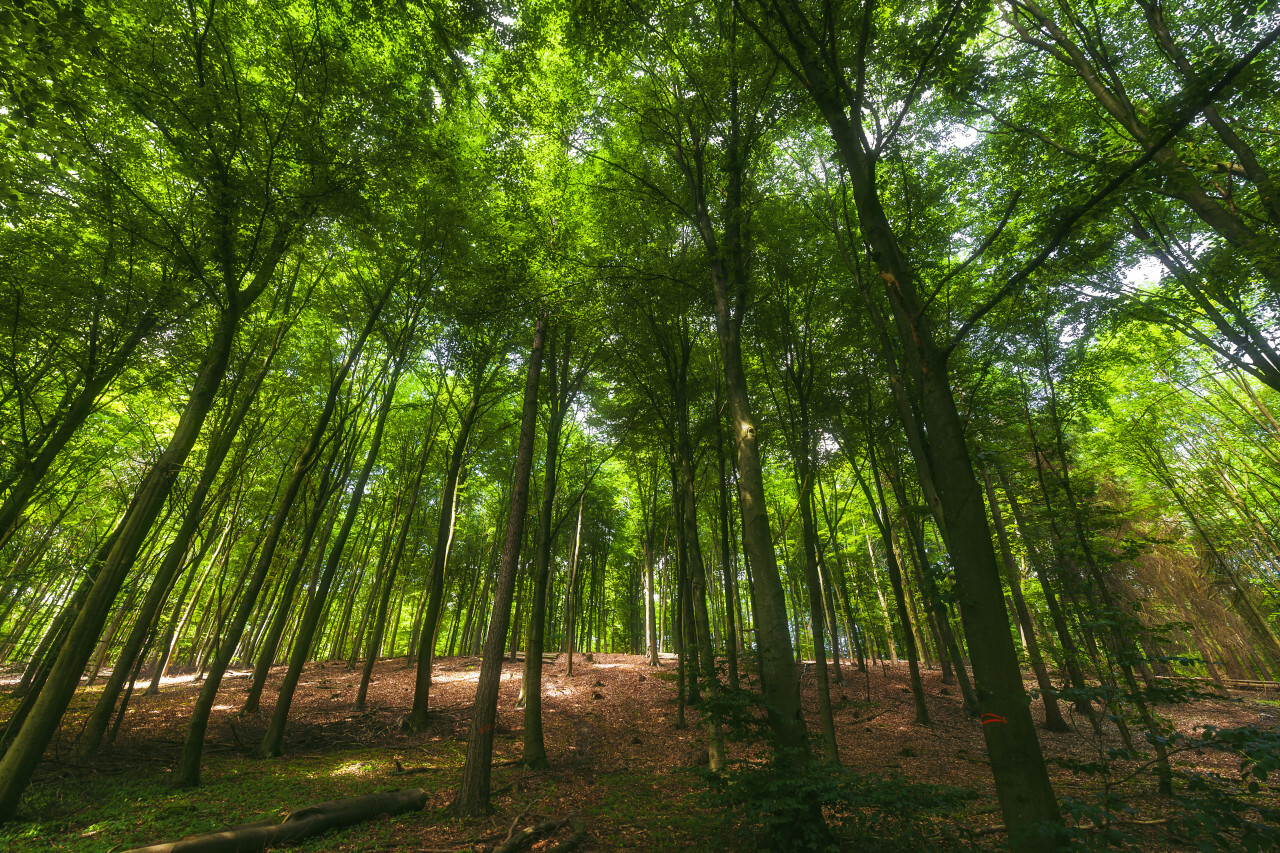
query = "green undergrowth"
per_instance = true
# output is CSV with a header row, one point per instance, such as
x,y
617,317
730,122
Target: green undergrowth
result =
x,y
870,812
118,805
87,809
648,812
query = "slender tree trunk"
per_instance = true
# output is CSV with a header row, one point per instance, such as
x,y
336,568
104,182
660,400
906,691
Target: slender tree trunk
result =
x,y
388,583
162,581
570,597
24,752
727,551
880,513
193,746
473,791
938,608
1053,720
648,521
562,389
1027,800
698,588
416,721
273,741
270,645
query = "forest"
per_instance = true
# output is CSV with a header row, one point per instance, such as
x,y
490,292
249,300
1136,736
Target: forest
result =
x,y
686,425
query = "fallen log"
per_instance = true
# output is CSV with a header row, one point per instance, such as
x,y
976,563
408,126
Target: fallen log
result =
x,y
303,823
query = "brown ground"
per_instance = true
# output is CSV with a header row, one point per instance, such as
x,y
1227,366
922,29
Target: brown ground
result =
x,y
617,756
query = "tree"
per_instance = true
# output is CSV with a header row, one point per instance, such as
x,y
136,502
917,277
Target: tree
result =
x,y
690,141
473,792
234,268
812,47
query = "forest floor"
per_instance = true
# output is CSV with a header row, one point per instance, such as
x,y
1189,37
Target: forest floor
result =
x,y
618,761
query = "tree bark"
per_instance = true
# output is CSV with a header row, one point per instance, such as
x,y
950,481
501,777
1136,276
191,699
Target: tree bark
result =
x,y
473,791
416,721
300,824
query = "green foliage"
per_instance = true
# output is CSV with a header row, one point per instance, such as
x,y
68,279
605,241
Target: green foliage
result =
x,y
781,797
1212,811
587,160
877,812
106,810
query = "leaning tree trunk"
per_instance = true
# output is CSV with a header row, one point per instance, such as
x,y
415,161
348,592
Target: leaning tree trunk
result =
x,y
96,724
1027,800
193,746
270,644
24,752
1071,654
1053,720
473,792
273,741
416,720
384,600
880,514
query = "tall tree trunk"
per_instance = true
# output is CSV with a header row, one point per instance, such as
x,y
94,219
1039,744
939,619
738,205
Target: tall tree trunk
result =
x,y
933,598
1123,646
333,476
473,791
570,596
24,752
880,514
1026,795
562,389
416,721
96,724
698,589
813,580
648,520
273,741
727,564
778,677
1071,654
388,583
687,648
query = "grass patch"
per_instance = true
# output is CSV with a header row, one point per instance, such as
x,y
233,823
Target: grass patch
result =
x,y
647,812
104,810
